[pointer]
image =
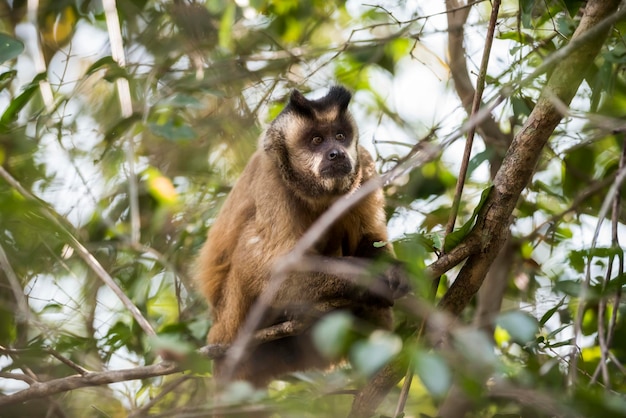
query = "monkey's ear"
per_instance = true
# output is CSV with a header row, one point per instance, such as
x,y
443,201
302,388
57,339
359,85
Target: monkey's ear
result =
x,y
340,96
300,103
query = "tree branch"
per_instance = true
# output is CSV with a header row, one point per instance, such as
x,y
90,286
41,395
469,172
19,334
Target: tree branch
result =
x,y
86,378
521,158
64,384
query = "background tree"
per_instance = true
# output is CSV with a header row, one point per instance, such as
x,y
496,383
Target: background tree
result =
x,y
124,125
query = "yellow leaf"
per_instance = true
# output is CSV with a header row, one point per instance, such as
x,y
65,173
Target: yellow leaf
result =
x,y
161,187
501,336
57,28
591,354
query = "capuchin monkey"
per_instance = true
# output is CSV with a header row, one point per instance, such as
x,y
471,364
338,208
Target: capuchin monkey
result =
x,y
308,158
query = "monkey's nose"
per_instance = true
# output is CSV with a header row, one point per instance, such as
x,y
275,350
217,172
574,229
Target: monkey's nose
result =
x,y
336,154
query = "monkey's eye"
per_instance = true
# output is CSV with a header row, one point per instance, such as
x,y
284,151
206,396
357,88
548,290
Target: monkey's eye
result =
x,y
317,140
340,137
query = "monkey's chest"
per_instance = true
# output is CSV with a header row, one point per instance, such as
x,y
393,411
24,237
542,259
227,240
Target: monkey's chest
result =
x,y
338,242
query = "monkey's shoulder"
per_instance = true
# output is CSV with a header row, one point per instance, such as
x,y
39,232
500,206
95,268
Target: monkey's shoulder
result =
x,y
368,166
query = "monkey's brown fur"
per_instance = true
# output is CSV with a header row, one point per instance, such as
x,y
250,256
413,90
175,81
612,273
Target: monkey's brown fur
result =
x,y
308,158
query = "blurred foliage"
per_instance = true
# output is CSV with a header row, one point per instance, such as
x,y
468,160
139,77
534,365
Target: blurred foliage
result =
x,y
141,191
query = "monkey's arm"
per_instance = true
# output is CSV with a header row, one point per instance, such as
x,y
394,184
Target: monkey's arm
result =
x,y
373,244
384,278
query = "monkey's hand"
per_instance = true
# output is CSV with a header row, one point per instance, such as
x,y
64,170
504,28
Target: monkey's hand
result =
x,y
391,284
372,282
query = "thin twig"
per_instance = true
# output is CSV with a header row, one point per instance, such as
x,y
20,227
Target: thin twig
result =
x,y
617,206
162,393
69,363
594,188
23,309
18,376
478,95
126,105
533,399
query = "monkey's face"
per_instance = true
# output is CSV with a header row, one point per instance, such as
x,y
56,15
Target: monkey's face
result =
x,y
327,153
316,145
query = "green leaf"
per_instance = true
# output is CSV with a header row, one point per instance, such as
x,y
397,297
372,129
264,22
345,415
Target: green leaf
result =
x,y
199,328
616,284
433,372
526,8
171,343
332,334
565,343
456,237
565,25
578,169
521,106
240,392
577,261
226,26
8,330
519,37
546,316
172,132
568,287
121,127
9,47
604,252
476,348
6,78
369,356
478,159
521,326
52,308
184,101
113,70
555,332
579,258
17,104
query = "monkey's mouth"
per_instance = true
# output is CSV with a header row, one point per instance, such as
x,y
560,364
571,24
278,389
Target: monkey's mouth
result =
x,y
336,169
